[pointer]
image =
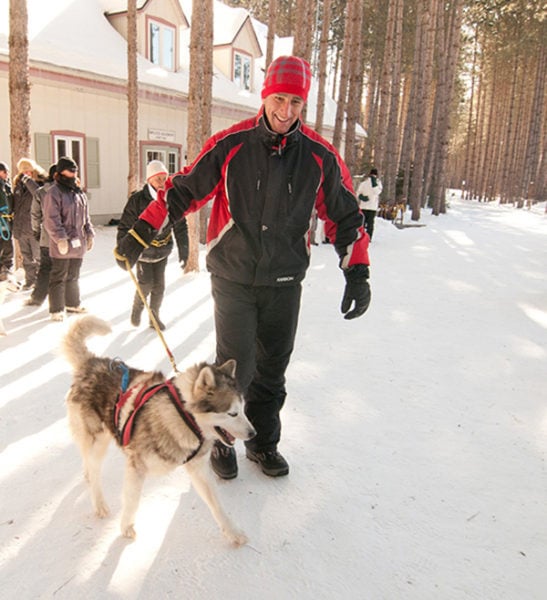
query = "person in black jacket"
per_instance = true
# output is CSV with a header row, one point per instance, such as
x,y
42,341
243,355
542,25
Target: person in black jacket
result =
x,y
29,178
41,287
266,175
6,216
153,261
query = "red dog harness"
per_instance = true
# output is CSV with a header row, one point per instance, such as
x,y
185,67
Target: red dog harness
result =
x,y
143,395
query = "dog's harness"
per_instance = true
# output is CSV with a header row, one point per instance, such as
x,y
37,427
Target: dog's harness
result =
x,y
144,394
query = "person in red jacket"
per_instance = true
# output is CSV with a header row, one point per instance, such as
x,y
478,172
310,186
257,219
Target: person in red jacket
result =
x,y
153,261
266,175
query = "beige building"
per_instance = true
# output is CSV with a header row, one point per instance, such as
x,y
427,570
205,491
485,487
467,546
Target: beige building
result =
x,y
78,70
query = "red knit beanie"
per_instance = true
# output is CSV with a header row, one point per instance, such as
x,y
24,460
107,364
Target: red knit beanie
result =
x,y
288,75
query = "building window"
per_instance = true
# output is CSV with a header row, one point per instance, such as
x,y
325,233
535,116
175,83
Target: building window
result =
x,y
162,45
172,162
72,146
242,71
169,156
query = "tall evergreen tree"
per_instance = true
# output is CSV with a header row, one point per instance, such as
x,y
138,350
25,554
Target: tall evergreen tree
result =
x,y
19,81
132,98
200,78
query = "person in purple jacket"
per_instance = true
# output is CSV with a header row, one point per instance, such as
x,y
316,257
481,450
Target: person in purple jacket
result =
x,y
66,220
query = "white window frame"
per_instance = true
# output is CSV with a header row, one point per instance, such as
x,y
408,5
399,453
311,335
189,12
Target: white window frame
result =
x,y
170,157
245,79
72,146
162,56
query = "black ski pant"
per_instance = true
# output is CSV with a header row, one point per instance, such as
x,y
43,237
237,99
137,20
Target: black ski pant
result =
x,y
369,216
64,283
151,278
42,277
6,255
257,326
30,252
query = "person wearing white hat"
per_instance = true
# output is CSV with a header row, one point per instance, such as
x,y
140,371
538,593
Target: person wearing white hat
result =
x,y
153,261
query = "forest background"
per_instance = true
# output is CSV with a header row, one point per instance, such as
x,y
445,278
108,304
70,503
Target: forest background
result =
x,y
451,93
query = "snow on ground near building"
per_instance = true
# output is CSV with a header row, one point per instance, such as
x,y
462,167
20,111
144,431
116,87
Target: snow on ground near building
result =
x,y
416,435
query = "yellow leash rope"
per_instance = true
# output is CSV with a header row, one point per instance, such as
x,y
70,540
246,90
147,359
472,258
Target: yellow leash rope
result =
x,y
151,315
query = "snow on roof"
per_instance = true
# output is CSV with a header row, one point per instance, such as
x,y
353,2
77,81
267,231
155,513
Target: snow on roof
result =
x,y
227,22
75,34
116,6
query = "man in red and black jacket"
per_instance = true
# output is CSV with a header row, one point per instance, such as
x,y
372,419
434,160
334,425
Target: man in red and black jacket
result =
x,y
265,176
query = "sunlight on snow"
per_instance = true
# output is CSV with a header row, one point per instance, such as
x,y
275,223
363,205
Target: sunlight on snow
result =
x,y
33,381
27,450
460,238
152,523
461,286
529,349
535,314
400,316
39,519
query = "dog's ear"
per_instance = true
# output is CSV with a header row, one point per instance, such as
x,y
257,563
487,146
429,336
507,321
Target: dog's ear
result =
x,y
229,368
205,379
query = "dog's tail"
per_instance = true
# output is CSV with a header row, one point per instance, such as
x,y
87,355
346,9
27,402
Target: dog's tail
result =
x,y
73,346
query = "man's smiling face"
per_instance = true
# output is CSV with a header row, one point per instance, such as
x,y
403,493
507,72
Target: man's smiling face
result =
x,y
282,111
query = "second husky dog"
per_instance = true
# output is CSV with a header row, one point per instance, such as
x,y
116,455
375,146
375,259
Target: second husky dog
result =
x,y
158,424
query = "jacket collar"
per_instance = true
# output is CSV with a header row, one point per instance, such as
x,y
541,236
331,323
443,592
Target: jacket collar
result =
x,y
276,142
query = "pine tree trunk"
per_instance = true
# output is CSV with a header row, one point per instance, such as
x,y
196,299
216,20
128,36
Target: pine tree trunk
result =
x,y
344,77
272,26
531,163
19,82
470,128
355,88
196,83
385,88
206,101
132,98
424,70
444,105
322,69
506,162
305,21
391,160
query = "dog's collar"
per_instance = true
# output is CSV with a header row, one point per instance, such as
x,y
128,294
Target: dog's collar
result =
x,y
143,395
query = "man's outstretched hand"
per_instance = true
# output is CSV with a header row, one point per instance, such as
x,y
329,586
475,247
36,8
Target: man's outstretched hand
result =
x,y
357,292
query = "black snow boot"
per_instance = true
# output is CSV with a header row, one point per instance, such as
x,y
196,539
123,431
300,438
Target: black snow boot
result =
x,y
136,312
155,304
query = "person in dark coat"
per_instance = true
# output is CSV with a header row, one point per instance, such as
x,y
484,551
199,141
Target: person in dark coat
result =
x,y
39,293
6,217
71,235
153,261
265,176
29,178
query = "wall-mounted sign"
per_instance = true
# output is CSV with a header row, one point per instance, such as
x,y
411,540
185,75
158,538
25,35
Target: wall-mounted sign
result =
x,y
161,135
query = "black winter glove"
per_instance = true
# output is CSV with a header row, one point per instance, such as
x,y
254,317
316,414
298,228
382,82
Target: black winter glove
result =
x,y
131,246
358,290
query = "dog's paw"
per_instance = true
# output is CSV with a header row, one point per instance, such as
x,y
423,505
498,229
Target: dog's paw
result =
x,y
236,536
102,510
128,531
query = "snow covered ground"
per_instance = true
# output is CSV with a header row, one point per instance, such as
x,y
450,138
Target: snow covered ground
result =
x,y
416,435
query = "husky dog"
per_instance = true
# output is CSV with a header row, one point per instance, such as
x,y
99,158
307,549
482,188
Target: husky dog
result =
x,y
158,424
